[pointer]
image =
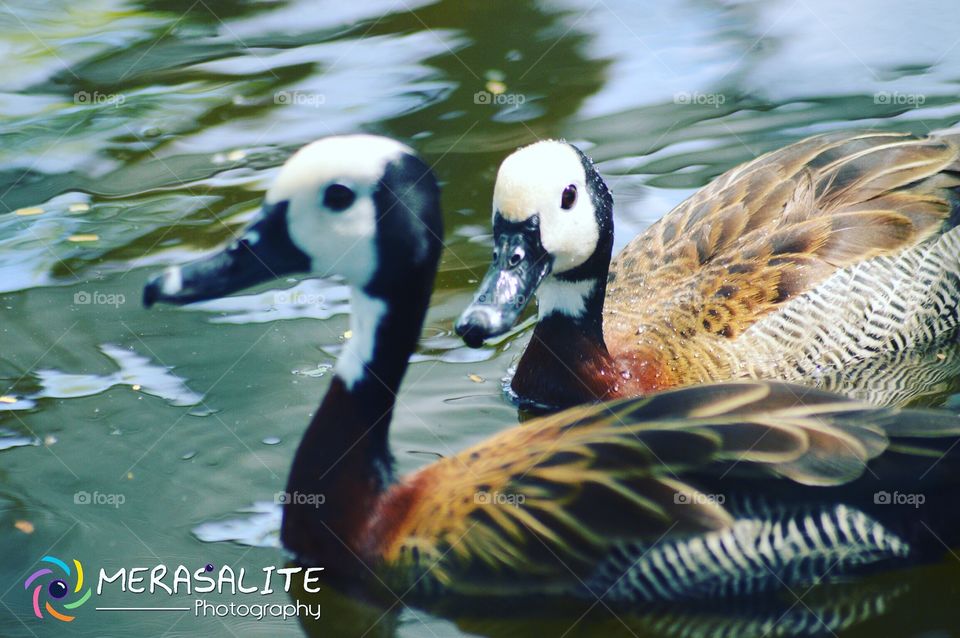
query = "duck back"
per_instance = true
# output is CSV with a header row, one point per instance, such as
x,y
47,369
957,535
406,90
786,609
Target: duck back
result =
x,y
834,261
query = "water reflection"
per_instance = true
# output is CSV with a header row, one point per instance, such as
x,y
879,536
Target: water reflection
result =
x,y
886,607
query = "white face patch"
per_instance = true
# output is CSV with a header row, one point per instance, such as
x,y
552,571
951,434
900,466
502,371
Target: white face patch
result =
x,y
366,314
342,242
567,298
531,182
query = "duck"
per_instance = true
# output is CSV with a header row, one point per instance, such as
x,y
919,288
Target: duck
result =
x,y
832,262
699,492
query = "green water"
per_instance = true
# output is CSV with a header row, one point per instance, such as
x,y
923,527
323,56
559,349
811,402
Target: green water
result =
x,y
151,130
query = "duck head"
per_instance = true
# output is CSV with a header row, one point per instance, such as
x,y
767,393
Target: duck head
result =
x,y
367,209
553,236
359,206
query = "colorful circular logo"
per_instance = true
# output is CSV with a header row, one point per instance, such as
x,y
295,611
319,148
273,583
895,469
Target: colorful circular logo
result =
x,y
52,586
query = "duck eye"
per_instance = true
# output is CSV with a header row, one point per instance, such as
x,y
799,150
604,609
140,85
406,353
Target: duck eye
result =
x,y
338,197
569,197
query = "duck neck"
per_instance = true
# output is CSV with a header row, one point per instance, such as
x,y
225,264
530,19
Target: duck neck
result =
x,y
343,463
573,304
566,361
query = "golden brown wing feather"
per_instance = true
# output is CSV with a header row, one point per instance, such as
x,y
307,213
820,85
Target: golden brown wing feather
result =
x,y
768,230
545,502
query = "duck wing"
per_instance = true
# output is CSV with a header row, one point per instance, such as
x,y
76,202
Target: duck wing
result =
x,y
540,507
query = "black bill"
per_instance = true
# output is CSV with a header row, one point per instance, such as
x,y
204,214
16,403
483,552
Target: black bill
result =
x,y
520,263
264,251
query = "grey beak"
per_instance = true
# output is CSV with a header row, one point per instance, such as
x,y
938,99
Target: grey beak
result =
x,y
263,252
520,263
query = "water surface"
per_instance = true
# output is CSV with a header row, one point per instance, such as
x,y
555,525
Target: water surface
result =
x,y
140,134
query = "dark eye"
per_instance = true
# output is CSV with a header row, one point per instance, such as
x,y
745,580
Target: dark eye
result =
x,y
569,197
338,197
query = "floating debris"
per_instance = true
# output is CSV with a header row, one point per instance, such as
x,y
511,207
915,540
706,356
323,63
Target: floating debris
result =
x,y
271,440
186,456
30,210
135,387
24,526
79,208
496,87
476,378
236,156
83,237
6,398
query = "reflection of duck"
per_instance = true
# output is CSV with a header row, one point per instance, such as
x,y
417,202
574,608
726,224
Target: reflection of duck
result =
x,y
833,261
824,612
916,602
642,498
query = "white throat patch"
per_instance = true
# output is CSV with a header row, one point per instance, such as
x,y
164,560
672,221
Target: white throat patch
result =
x,y
531,182
366,313
568,298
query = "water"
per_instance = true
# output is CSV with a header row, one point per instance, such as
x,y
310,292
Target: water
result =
x,y
136,135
